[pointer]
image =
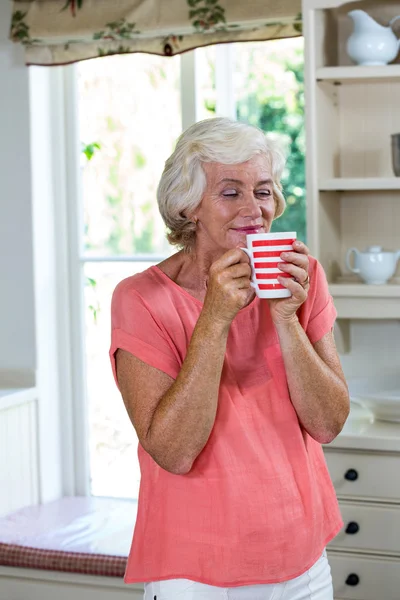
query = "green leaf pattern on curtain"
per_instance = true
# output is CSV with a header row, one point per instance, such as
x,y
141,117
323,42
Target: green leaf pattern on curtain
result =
x,y
206,14
73,5
61,32
118,30
20,29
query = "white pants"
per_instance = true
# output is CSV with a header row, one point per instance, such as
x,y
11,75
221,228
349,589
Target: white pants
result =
x,y
315,584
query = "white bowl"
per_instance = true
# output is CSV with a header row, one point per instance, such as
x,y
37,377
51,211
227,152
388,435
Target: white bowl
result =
x,y
379,394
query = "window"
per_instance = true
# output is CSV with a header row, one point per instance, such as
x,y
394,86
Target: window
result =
x,y
131,110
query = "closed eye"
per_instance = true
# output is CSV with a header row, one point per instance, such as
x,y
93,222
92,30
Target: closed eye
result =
x,y
264,193
230,193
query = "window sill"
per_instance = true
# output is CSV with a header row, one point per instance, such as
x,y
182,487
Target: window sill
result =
x,y
79,535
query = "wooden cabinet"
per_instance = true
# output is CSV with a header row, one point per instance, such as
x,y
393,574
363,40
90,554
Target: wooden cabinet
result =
x,y
353,195
364,463
362,474
369,527
358,577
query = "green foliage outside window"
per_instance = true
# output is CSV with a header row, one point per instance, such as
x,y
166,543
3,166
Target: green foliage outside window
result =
x,y
270,96
281,113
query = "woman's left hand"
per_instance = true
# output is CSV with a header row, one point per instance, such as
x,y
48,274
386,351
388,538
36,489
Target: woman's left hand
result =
x,y
296,264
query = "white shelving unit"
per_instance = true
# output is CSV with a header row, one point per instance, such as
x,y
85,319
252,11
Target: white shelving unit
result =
x,y
352,192
368,184
356,73
354,201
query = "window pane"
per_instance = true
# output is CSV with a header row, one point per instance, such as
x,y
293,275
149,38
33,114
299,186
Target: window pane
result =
x,y
114,468
269,88
205,64
130,117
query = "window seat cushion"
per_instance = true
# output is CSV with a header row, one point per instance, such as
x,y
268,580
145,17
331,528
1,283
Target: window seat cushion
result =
x,y
74,534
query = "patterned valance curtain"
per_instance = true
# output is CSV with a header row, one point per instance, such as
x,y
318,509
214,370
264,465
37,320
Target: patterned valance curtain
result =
x,y
56,32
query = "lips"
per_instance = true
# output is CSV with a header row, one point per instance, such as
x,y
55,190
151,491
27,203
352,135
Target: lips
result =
x,y
250,229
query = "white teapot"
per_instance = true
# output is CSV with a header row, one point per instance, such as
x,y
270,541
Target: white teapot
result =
x,y
373,265
371,43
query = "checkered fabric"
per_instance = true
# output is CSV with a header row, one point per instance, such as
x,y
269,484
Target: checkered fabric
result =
x,y
13,555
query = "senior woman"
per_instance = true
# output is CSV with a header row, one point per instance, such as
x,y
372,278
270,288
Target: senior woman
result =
x,y
231,396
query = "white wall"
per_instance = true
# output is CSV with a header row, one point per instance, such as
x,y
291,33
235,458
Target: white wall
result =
x,y
46,279
28,269
375,347
17,323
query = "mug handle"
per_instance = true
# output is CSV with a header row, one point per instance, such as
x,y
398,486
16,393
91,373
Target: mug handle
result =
x,y
252,282
350,251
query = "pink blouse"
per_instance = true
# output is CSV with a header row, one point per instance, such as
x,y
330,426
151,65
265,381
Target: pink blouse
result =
x,y
258,505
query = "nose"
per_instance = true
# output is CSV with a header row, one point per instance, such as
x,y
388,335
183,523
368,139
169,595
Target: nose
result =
x,y
251,207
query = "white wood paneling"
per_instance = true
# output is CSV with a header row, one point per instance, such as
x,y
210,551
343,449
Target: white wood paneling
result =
x,y
369,114
330,229
356,218
328,131
19,474
370,218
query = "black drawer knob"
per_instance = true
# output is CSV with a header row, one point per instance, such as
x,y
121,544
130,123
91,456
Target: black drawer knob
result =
x,y
352,527
351,475
353,579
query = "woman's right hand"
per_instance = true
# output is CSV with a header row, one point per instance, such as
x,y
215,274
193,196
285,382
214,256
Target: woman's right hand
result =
x,y
228,286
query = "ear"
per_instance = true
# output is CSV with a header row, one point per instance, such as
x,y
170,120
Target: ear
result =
x,y
193,218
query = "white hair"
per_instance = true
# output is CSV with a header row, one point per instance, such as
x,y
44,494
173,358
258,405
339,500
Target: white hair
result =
x,y
183,181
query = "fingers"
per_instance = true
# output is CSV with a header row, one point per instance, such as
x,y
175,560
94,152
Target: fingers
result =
x,y
228,285
232,269
230,258
242,283
298,255
239,270
300,247
299,292
301,260
296,263
300,274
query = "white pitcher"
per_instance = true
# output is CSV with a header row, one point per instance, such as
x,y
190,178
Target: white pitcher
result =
x,y
371,43
373,265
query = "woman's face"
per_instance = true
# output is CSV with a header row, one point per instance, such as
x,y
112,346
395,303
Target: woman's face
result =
x,y
238,200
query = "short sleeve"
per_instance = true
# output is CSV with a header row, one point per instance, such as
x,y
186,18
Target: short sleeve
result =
x,y
318,314
135,329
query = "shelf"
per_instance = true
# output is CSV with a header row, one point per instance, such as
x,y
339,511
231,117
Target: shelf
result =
x,y
362,290
359,183
361,301
358,74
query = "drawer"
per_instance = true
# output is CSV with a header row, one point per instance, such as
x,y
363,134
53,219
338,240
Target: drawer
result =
x,y
367,578
364,475
366,527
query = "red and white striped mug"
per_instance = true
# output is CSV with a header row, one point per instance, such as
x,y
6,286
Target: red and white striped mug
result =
x,y
264,250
